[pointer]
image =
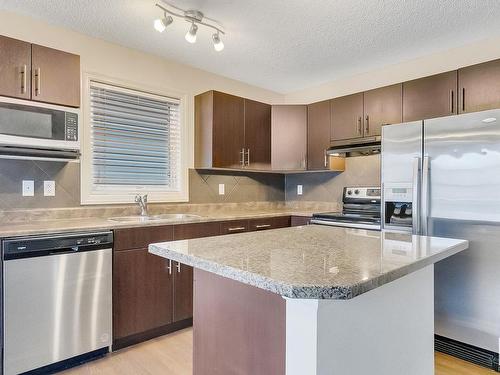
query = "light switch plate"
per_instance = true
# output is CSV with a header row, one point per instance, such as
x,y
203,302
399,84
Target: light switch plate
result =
x,y
221,189
49,188
28,188
299,189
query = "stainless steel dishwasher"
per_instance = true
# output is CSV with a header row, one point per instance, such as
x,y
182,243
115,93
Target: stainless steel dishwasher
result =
x,y
56,300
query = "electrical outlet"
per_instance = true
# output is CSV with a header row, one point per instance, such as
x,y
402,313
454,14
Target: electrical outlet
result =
x,y
49,188
299,189
28,188
221,189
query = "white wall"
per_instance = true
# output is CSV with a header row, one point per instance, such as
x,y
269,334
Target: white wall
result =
x,y
471,54
125,64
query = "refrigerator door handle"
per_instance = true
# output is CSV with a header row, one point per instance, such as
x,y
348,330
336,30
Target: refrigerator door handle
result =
x,y
416,196
425,194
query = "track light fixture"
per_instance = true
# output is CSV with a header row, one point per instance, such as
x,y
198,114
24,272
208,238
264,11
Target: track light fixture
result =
x,y
161,24
195,18
191,34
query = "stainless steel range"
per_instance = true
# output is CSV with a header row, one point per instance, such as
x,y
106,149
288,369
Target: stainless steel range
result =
x,y
361,209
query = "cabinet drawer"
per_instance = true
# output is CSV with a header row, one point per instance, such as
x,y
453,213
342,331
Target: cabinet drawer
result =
x,y
233,226
300,220
261,224
132,238
282,222
196,230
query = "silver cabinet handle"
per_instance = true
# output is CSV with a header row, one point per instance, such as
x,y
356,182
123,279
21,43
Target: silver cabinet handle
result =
x,y
248,157
178,267
235,229
425,194
260,226
242,157
23,79
169,268
360,129
326,159
416,196
38,82
367,126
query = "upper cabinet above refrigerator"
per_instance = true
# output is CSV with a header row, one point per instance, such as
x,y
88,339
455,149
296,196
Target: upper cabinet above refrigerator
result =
x,y
430,97
479,87
382,106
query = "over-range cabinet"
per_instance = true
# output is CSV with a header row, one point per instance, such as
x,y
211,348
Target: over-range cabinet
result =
x,y
441,177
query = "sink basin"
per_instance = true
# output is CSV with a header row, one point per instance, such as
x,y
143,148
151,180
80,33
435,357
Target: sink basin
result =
x,y
146,219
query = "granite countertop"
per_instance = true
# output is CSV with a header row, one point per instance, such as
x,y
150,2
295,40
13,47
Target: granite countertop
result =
x,y
314,261
71,224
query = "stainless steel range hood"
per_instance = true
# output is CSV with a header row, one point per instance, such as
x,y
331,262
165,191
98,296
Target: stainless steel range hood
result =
x,y
355,147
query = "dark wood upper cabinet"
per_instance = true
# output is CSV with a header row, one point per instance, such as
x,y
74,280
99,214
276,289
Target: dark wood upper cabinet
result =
x,y
318,135
15,68
219,130
289,137
257,135
142,292
347,117
479,87
430,97
382,106
55,76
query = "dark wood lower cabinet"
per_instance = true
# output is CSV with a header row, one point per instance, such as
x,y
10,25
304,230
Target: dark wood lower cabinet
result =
x,y
153,296
142,292
300,220
238,328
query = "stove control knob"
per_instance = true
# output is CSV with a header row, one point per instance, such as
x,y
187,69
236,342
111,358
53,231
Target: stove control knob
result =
x,y
349,192
356,191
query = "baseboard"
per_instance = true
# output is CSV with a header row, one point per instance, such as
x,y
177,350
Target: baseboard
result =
x,y
151,334
69,363
469,353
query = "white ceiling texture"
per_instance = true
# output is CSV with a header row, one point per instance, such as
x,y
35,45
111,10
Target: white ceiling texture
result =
x,y
282,45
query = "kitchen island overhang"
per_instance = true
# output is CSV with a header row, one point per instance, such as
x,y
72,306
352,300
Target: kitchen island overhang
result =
x,y
313,300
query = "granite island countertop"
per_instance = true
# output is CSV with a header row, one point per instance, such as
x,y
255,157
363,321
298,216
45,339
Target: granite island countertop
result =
x,y
314,261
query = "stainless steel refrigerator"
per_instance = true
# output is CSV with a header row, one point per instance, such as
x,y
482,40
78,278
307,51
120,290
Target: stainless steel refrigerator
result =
x,y
441,177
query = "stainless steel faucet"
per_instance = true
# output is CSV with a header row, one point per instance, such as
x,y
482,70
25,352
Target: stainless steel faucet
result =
x,y
142,201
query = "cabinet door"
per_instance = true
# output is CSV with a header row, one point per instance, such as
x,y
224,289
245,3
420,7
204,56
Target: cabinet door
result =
x,y
479,87
318,135
142,292
55,76
382,106
228,130
289,137
347,117
183,292
430,97
15,68
257,134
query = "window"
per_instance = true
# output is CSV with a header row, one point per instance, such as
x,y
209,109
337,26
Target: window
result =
x,y
133,144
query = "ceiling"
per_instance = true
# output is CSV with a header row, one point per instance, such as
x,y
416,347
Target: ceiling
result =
x,y
282,45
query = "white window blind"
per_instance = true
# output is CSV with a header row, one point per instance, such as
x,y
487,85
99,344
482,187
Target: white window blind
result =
x,y
135,139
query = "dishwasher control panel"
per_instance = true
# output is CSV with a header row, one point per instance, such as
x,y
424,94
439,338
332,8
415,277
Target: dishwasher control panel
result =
x,y
33,246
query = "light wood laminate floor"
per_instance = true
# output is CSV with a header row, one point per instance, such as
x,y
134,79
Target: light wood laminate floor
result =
x,y
171,354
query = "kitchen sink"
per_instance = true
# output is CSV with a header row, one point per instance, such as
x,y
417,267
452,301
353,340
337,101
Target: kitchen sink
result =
x,y
150,218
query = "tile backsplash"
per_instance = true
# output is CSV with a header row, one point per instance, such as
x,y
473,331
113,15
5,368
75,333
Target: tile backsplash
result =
x,y
203,185
327,187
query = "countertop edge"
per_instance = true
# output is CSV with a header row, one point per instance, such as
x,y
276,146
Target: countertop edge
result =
x,y
338,292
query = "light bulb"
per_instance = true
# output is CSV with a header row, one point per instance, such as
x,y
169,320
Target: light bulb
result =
x,y
218,45
161,24
191,34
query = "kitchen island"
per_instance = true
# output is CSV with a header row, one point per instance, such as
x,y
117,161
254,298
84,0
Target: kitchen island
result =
x,y
313,300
